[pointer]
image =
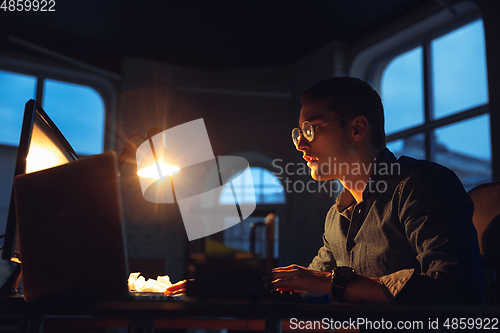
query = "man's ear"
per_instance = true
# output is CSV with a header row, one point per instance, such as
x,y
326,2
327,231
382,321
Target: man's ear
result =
x,y
360,127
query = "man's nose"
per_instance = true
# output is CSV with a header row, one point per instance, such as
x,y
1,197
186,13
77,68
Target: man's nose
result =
x,y
303,144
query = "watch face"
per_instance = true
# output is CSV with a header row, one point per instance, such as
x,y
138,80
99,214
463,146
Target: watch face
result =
x,y
345,273
343,270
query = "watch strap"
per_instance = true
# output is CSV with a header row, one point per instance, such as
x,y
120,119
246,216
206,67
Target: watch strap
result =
x,y
341,277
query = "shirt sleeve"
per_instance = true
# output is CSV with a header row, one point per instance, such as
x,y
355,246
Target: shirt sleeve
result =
x,y
324,261
393,283
436,214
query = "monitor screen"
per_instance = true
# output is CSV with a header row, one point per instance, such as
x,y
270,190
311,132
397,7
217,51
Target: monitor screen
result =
x,y
41,146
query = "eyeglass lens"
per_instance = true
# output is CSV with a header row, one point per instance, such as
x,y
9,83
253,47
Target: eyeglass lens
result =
x,y
307,131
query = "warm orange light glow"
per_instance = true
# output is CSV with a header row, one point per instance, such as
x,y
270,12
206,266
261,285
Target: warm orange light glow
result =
x,y
44,151
152,171
40,158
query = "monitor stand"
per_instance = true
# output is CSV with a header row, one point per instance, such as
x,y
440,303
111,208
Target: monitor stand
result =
x,y
11,286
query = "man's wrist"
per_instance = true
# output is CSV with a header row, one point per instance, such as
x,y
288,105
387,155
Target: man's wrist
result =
x,y
340,278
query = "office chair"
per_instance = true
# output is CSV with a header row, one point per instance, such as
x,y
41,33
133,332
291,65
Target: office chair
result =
x,y
486,219
268,225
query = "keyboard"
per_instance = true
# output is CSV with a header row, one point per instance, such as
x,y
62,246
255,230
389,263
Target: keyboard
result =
x,y
154,296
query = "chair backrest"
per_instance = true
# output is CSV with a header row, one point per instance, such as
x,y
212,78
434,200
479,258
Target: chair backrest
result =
x,y
486,218
268,224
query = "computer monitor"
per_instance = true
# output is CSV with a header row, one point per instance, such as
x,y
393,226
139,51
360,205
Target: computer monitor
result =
x,y
41,146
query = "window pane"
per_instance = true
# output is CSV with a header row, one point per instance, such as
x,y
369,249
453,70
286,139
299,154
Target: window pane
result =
x,y
238,236
15,91
78,111
267,189
465,148
402,91
413,146
459,70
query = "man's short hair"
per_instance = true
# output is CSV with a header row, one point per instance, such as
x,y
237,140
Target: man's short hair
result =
x,y
351,96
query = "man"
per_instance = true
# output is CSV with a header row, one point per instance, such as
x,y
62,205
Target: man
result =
x,y
401,230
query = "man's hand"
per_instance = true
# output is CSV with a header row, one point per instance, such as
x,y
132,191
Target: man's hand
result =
x,y
177,288
365,290
301,278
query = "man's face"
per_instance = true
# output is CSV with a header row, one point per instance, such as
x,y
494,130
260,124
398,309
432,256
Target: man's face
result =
x,y
329,148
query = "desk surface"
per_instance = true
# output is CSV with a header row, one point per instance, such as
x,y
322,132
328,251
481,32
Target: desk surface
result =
x,y
237,309
271,317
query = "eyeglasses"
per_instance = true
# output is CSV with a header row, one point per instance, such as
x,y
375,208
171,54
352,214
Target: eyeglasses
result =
x,y
308,130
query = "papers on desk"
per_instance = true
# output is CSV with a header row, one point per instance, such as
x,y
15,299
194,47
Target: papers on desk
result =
x,y
137,282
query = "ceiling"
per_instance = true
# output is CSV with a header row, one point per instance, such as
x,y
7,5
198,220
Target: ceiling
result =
x,y
203,34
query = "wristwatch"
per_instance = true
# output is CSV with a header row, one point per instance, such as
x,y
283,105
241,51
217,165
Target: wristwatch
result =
x,y
341,277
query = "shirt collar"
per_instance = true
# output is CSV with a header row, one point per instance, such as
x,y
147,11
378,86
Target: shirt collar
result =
x,y
385,156
344,200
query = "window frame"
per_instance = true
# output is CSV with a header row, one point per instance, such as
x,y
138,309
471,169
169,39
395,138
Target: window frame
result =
x,y
430,123
262,209
371,62
259,160
43,71
374,54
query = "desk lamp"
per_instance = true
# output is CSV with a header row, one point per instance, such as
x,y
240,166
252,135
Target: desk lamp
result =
x,y
154,168
178,166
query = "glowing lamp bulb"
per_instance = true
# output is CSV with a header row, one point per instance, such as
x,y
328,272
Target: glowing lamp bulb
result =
x,y
152,171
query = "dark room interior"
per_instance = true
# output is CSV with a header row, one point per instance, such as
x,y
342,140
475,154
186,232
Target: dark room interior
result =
x,y
242,66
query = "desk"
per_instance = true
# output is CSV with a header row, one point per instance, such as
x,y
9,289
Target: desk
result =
x,y
144,316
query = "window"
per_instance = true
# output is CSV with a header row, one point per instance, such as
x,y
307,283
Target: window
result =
x,y
15,90
435,98
402,92
78,111
266,186
268,191
238,236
